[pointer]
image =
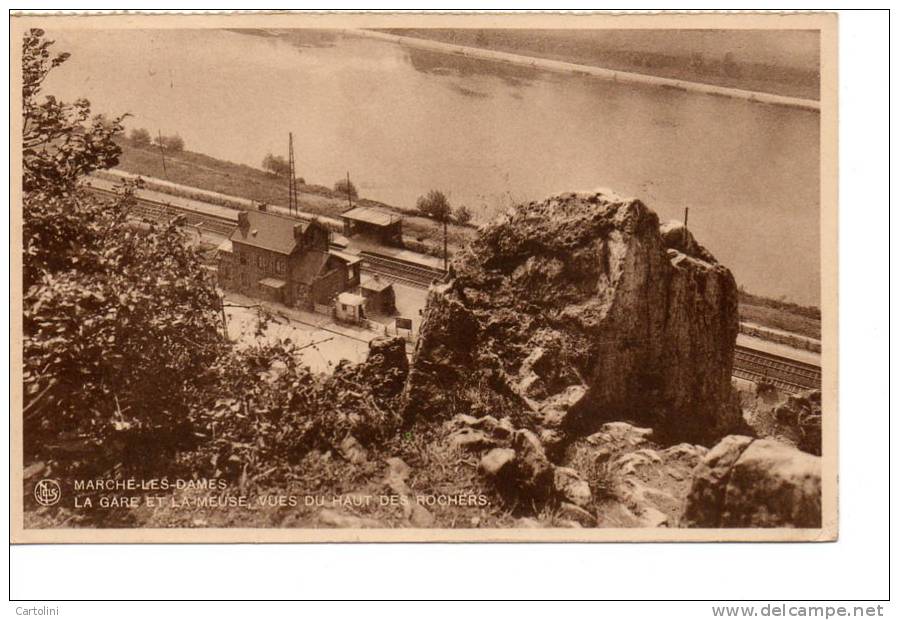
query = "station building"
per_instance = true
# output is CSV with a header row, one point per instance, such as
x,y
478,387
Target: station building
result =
x,y
284,260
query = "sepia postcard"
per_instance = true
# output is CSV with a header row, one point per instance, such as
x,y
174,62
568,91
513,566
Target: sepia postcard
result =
x,y
357,277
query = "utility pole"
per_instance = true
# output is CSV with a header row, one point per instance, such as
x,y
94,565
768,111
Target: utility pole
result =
x,y
686,215
162,153
292,181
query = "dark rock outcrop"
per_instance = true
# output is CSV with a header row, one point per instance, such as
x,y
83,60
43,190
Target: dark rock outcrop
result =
x,y
386,367
580,309
802,413
755,483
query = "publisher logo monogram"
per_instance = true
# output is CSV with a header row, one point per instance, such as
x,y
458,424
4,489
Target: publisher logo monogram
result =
x,y
47,492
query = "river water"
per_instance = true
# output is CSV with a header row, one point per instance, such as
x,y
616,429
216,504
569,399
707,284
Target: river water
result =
x,y
488,135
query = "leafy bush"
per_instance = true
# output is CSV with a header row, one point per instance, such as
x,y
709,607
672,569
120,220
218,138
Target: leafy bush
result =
x,y
263,408
434,205
140,137
174,143
276,164
462,215
345,187
115,331
118,321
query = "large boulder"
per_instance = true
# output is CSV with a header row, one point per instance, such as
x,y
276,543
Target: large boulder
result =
x,y
743,482
579,309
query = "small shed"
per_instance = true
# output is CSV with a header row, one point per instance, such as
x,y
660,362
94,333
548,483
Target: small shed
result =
x,y
375,223
379,295
272,289
350,307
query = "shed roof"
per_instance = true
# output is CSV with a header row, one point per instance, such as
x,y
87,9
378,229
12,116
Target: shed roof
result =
x,y
377,285
349,259
350,299
226,246
269,231
369,215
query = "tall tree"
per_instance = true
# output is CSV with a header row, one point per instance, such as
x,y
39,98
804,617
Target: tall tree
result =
x,y
120,319
60,141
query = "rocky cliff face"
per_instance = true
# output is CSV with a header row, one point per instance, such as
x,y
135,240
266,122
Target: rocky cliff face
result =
x,y
580,309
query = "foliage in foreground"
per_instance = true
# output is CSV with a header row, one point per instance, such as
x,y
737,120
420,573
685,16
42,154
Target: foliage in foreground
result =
x,y
117,322
123,360
260,409
118,318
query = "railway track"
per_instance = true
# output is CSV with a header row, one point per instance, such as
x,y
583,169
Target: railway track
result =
x,y
216,219
786,374
400,271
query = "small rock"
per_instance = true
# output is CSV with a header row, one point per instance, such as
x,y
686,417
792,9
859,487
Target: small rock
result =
x,y
575,513
397,468
551,438
33,470
687,452
710,478
652,517
463,420
352,450
420,516
569,484
533,466
528,523
556,409
620,433
471,439
497,460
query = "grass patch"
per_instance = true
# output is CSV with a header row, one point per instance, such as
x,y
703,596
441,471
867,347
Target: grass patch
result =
x,y
780,318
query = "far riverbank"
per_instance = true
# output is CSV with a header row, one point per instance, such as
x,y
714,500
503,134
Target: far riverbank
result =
x,y
624,77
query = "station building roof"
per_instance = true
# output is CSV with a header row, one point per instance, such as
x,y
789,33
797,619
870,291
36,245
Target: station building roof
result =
x,y
370,215
270,231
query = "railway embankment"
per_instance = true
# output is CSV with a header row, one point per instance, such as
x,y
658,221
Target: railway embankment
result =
x,y
201,177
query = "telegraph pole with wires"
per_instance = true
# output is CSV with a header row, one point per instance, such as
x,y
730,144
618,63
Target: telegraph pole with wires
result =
x,y
162,152
292,206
